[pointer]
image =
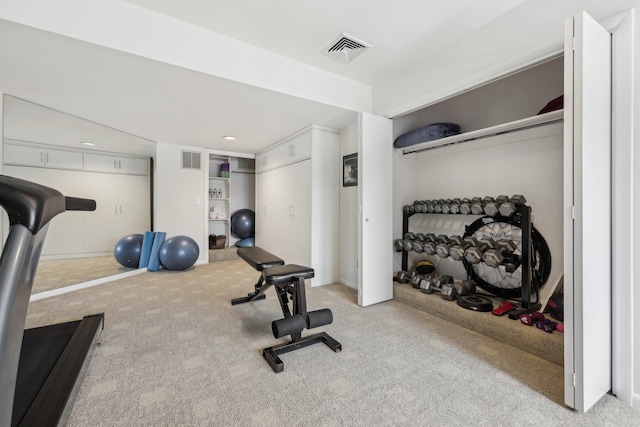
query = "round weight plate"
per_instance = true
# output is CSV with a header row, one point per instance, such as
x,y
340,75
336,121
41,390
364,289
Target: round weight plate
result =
x,y
425,267
499,281
475,302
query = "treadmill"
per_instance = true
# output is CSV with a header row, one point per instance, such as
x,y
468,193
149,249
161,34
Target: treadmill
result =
x,y
41,369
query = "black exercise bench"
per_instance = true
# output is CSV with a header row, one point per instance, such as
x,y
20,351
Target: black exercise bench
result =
x,y
288,281
259,259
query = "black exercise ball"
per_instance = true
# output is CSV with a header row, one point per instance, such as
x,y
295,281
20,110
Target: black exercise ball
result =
x,y
179,253
243,223
127,250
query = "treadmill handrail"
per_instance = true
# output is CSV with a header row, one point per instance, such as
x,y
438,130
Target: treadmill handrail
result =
x,y
34,205
77,204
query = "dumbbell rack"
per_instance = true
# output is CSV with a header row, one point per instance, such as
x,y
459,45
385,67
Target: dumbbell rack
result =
x,y
525,225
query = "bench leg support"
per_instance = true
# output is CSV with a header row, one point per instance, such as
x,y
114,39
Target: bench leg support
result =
x,y
253,296
271,354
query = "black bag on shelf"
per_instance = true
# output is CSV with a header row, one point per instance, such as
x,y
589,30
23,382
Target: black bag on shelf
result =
x,y
217,242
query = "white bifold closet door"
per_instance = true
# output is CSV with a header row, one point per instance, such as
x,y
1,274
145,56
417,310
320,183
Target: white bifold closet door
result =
x,y
587,203
375,221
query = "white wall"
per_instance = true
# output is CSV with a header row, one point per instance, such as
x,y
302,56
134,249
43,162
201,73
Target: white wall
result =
x,y
243,188
325,204
348,266
243,194
177,191
635,260
243,191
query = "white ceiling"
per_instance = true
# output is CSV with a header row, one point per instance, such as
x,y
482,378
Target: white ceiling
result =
x,y
102,80
161,102
401,32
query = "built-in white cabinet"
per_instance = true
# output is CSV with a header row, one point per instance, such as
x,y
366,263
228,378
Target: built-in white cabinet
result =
x,y
116,164
297,201
122,208
120,186
35,155
25,155
294,150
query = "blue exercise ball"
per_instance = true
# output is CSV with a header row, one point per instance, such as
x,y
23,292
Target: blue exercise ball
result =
x,y
243,223
249,242
179,253
127,250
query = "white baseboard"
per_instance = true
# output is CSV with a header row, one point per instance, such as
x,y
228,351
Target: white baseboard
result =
x,y
75,256
636,401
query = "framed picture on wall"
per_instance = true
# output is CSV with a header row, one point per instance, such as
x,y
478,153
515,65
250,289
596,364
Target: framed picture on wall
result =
x,y
350,170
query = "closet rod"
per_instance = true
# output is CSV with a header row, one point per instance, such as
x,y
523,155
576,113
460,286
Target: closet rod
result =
x,y
518,125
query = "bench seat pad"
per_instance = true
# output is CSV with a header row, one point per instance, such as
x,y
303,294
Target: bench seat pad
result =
x,y
286,273
258,258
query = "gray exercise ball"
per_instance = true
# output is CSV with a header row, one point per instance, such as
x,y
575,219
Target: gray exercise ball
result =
x,y
127,250
179,253
243,223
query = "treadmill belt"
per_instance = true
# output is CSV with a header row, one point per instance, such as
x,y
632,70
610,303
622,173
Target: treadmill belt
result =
x,y
41,349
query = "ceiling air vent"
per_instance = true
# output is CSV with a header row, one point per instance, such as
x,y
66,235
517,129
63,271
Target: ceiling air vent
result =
x,y
346,47
246,165
190,160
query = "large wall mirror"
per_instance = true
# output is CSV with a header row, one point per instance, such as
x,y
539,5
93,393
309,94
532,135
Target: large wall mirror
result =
x,y
79,158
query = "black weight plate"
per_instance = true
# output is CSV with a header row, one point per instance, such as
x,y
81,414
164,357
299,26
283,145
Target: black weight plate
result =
x,y
475,302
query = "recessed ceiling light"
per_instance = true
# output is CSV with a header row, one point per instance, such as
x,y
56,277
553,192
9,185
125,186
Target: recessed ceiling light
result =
x,y
229,138
86,143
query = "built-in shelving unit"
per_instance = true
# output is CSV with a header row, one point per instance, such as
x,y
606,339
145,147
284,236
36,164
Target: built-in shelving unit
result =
x,y
517,125
219,197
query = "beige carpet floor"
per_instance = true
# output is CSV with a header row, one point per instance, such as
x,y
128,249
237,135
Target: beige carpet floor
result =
x,y
175,352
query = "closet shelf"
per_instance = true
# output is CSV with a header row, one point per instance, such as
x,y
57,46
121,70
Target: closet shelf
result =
x,y
529,122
